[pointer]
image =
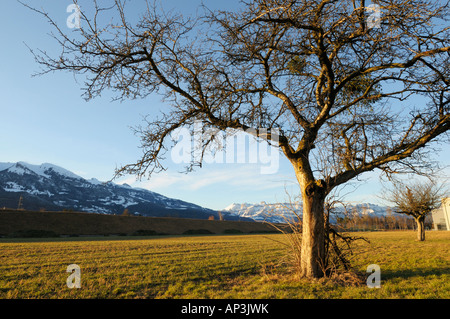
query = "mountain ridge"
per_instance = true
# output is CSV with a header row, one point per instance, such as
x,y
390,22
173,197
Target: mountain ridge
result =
x,y
283,212
51,187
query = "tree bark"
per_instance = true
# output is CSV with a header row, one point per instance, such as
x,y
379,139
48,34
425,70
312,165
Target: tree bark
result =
x,y
313,229
420,228
313,237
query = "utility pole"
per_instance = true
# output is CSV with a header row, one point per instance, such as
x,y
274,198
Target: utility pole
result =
x,y
20,206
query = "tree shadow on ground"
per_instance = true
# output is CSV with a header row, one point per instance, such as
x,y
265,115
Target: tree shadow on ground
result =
x,y
417,272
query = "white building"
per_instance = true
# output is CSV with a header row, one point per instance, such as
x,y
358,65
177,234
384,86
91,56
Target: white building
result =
x,y
441,216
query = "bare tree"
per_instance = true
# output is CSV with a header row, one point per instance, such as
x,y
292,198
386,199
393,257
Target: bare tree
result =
x,y
320,72
416,200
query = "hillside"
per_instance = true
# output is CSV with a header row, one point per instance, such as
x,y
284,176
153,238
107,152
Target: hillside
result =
x,y
53,188
84,224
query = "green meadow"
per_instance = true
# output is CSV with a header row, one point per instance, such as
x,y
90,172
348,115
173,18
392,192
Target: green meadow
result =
x,y
217,266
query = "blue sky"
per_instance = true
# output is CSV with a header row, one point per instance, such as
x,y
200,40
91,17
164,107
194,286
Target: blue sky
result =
x,y
45,119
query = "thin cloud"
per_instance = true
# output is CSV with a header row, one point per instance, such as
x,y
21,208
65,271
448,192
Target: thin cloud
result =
x,y
240,177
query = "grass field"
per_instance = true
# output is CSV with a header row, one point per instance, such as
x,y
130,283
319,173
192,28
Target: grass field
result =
x,y
238,266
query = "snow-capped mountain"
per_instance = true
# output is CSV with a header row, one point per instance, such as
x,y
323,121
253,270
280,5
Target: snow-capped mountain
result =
x,y
274,213
50,187
286,212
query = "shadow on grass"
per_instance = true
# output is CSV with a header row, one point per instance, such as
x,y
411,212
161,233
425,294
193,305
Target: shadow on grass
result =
x,y
411,273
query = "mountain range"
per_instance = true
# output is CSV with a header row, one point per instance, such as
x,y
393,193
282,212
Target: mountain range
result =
x,y
283,212
50,187
53,188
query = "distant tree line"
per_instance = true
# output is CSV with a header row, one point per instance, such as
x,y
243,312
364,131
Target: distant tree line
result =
x,y
360,222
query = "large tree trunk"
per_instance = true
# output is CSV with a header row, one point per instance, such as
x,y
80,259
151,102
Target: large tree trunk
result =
x,y
313,229
313,237
420,228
